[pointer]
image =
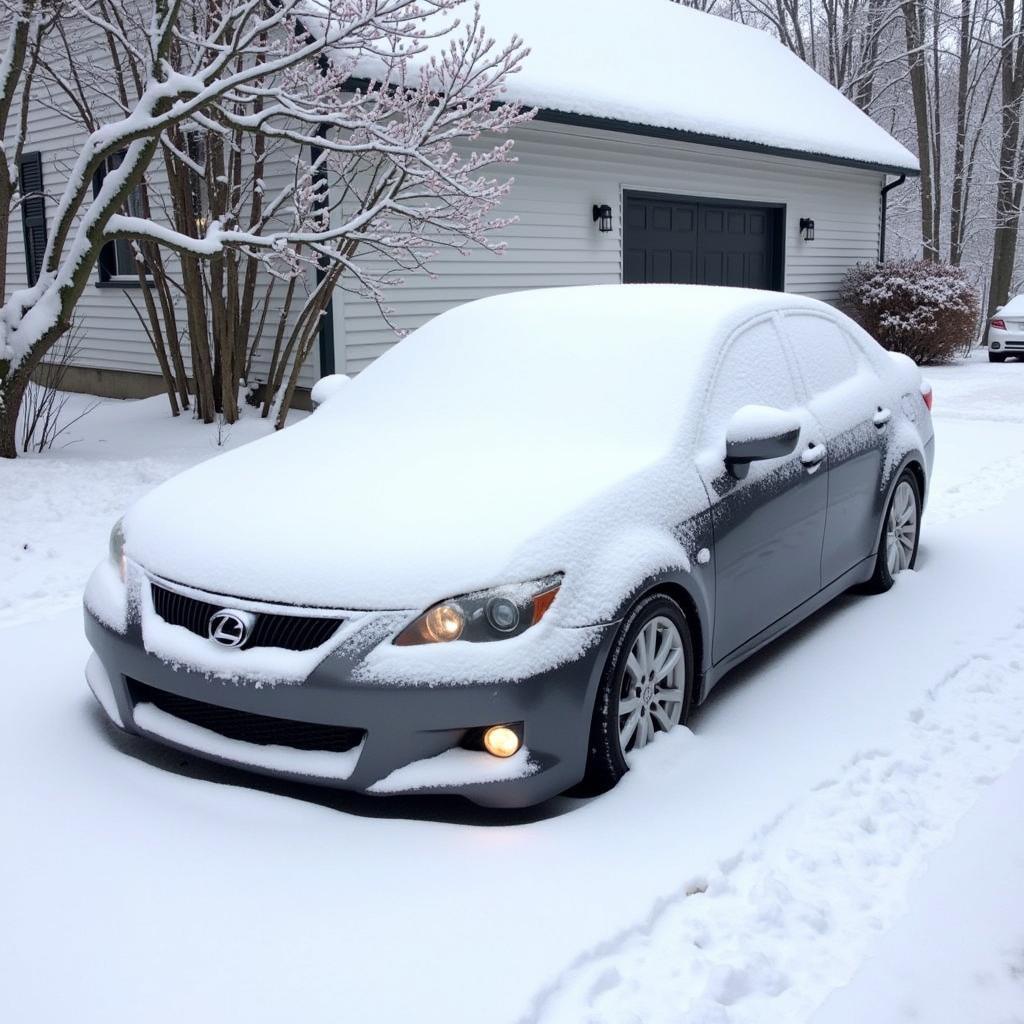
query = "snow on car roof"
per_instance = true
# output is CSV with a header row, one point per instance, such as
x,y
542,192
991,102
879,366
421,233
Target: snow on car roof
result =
x,y
612,362
659,64
1014,307
463,456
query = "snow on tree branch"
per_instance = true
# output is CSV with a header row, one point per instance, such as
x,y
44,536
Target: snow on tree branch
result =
x,y
389,109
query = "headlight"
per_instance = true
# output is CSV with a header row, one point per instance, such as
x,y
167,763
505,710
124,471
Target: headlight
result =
x,y
486,615
117,555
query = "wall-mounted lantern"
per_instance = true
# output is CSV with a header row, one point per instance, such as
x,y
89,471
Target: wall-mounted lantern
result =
x,y
603,216
807,229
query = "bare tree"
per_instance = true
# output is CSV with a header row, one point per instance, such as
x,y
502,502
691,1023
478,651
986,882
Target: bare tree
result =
x,y
1009,167
27,24
270,68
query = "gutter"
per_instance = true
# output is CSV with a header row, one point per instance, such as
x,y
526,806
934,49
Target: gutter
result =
x,y
886,189
610,124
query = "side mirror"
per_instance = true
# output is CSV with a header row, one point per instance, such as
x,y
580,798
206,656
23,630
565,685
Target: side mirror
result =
x,y
758,432
327,387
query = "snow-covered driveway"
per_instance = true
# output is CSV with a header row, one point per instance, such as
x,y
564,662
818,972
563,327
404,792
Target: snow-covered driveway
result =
x,y
742,873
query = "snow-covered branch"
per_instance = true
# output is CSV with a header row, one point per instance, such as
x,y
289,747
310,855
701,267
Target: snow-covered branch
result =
x,y
387,109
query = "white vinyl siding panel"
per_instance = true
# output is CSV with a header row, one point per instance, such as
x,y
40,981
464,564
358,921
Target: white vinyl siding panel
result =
x,y
109,333
561,172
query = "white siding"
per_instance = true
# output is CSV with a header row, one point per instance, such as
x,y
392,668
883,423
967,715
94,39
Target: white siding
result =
x,y
563,171
560,174
110,334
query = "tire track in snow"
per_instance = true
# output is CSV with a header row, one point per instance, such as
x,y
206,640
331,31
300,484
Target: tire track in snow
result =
x,y
982,491
773,930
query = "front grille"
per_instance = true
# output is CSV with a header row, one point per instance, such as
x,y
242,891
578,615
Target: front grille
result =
x,y
248,727
272,629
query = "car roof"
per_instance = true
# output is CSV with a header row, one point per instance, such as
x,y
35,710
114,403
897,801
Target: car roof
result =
x,y
711,311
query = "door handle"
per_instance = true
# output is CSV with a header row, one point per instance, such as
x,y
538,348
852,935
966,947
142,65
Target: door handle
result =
x,y
812,456
881,417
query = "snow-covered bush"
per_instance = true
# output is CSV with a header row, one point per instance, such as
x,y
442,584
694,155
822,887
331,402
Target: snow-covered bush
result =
x,y
929,311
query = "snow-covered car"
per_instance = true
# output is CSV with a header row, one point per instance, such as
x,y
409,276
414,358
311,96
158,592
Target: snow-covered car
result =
x,y
1006,331
519,545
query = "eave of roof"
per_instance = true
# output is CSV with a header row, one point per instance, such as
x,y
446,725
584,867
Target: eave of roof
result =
x,y
680,135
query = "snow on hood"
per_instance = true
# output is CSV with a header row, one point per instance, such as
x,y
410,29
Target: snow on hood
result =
x,y
470,455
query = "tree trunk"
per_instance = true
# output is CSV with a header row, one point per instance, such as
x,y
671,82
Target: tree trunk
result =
x,y
913,19
956,209
13,386
1004,245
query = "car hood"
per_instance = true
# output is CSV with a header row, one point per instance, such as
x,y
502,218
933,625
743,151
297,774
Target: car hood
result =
x,y
332,514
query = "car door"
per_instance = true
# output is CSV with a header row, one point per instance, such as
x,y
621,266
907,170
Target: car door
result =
x,y
849,399
768,527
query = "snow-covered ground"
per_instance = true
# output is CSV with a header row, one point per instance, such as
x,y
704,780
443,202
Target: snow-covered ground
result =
x,y
839,839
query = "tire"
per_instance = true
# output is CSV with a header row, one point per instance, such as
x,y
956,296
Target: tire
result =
x,y
994,357
894,531
606,758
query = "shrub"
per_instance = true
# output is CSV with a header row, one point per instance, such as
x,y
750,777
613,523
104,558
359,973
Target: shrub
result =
x,y
929,311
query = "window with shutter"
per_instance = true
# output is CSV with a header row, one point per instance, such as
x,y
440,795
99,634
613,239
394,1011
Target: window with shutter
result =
x,y
117,263
33,213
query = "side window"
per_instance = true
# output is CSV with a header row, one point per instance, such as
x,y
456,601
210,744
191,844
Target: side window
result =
x,y
823,352
753,371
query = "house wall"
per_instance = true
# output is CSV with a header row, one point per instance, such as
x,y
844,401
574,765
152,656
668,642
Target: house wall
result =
x,y
112,346
561,172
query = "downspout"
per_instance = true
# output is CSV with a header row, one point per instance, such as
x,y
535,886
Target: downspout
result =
x,y
886,189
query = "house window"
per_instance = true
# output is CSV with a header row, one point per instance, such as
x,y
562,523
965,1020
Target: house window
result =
x,y
33,213
195,147
117,262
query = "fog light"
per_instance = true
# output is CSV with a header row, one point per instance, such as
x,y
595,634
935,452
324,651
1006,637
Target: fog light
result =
x,y
996,345
501,741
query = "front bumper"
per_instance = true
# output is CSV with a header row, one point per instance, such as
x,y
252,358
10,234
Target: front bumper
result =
x,y
413,734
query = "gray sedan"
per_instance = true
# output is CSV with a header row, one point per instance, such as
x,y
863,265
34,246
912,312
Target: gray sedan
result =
x,y
519,547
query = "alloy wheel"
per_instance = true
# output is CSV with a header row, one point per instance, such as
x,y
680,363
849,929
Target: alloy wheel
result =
x,y
901,529
653,684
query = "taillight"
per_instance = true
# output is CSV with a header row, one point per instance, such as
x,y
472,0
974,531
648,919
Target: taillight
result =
x,y
1001,324
927,394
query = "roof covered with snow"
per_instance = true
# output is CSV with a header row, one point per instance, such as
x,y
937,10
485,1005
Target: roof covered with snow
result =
x,y
657,65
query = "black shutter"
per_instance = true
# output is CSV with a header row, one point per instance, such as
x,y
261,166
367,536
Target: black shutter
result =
x,y
33,213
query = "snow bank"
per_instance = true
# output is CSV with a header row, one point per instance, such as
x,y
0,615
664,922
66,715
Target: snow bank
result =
x,y
656,63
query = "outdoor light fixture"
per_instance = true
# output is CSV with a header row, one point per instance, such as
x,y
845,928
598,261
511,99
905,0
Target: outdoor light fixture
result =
x,y
603,216
807,228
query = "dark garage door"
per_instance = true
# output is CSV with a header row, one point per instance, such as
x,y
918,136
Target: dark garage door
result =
x,y
671,240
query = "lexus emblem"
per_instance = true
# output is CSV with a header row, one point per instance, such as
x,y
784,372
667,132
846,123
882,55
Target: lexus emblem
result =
x,y
230,628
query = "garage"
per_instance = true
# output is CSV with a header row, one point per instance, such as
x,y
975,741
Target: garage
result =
x,y
683,240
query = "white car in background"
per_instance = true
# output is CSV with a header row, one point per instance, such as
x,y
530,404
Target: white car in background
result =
x,y
1006,331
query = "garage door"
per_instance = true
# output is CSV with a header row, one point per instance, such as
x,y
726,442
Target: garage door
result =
x,y
673,240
